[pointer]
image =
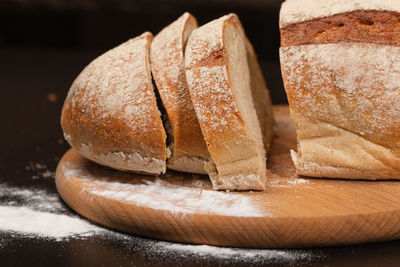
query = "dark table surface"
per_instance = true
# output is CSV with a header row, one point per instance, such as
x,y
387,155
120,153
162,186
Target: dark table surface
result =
x,y
31,134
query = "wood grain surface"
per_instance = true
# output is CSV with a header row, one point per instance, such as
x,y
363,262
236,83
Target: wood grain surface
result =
x,y
292,212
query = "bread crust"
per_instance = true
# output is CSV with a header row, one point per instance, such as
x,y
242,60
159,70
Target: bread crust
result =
x,y
236,163
189,151
297,11
345,101
110,114
361,26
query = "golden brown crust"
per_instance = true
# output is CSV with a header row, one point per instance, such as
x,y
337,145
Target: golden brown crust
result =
x,y
168,68
297,11
111,109
344,99
361,26
206,59
341,74
234,143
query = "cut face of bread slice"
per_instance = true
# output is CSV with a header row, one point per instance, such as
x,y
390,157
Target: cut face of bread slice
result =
x,y
110,115
217,72
345,101
189,151
261,97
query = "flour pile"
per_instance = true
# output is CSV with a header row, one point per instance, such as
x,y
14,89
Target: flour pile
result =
x,y
33,212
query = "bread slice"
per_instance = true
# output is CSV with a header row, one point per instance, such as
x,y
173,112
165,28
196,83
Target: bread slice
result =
x,y
188,149
111,116
217,72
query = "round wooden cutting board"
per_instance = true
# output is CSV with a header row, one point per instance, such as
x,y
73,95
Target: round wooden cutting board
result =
x,y
292,212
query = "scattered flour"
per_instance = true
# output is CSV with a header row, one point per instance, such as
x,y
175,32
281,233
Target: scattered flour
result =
x,y
34,212
287,183
161,195
35,199
298,181
39,214
184,200
27,221
247,256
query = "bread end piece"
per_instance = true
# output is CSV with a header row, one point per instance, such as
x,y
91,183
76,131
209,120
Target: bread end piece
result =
x,y
110,115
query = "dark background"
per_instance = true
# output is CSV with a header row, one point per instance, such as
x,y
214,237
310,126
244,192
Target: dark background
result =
x,y
43,47
82,30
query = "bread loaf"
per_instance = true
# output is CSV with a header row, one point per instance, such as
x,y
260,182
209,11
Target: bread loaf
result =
x,y
220,84
188,149
214,93
111,116
341,70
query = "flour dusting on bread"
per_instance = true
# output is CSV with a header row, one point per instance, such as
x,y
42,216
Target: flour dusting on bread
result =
x,y
296,11
217,71
111,106
344,99
365,77
168,68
